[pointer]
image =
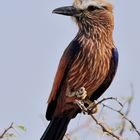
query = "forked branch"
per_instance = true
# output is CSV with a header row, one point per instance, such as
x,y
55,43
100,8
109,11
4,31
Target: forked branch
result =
x,y
6,130
102,125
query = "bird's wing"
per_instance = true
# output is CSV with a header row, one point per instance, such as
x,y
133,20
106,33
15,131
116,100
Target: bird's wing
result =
x,y
110,76
65,62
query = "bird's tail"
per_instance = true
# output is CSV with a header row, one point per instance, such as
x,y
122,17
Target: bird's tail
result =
x,y
56,129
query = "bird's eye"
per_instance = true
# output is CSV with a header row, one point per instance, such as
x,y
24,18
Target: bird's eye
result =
x,y
104,7
92,8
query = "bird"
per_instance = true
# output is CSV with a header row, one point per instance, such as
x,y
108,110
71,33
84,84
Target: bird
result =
x,y
89,63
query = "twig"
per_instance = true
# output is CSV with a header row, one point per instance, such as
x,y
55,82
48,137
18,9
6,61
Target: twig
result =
x,y
109,98
67,137
129,102
6,130
105,129
123,115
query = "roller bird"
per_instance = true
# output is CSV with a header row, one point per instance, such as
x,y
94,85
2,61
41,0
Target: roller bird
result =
x,y
87,66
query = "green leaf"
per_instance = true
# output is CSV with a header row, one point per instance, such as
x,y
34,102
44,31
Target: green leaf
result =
x,y
130,98
21,127
9,135
127,98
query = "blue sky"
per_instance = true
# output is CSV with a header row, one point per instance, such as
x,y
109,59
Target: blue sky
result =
x,y
32,40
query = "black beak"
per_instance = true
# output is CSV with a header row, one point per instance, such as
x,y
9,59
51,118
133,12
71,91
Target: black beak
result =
x,y
67,10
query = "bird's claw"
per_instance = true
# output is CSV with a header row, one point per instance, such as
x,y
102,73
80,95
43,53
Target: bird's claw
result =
x,y
81,93
81,105
91,109
83,101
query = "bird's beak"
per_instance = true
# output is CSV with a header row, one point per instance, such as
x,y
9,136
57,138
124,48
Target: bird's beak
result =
x,y
67,10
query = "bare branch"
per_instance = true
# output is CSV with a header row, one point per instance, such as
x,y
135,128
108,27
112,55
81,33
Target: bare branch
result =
x,y
109,98
104,128
81,105
123,115
6,130
67,137
129,102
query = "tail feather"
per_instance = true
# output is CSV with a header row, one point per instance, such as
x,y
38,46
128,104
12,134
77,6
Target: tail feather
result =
x,y
56,129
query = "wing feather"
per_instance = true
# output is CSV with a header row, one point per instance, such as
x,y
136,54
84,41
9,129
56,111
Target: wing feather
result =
x,y
110,76
65,63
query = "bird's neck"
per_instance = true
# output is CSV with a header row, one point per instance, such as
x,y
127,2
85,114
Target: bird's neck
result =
x,y
99,38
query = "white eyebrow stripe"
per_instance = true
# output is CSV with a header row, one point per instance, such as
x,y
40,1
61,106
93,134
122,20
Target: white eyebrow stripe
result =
x,y
83,4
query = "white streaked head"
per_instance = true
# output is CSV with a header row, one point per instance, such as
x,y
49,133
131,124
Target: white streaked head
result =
x,y
84,4
89,14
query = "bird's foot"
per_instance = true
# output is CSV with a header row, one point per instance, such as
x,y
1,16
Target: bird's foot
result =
x,y
81,93
91,108
81,105
83,101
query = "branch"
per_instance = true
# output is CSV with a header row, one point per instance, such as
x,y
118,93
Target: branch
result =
x,y
123,115
109,98
129,102
6,130
67,137
81,105
104,128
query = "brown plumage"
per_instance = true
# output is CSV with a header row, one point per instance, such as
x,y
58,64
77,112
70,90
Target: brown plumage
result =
x,y
90,61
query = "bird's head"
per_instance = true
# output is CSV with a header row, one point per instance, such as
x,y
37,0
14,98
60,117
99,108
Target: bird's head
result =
x,y
89,14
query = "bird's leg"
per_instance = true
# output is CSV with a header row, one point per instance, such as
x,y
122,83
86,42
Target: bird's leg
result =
x,y
92,106
81,105
85,102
